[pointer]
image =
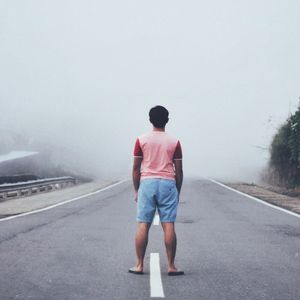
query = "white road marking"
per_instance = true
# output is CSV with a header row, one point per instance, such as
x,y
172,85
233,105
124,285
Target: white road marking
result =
x,y
62,203
256,199
156,220
156,287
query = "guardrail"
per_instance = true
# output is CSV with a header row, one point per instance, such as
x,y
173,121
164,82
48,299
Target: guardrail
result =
x,y
20,189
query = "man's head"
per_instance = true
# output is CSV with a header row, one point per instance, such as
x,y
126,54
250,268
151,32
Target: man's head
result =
x,y
159,116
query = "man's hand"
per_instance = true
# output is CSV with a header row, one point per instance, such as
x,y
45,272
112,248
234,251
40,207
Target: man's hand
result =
x,y
178,174
135,196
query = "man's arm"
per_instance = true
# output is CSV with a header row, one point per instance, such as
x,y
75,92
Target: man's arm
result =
x,y
136,174
178,173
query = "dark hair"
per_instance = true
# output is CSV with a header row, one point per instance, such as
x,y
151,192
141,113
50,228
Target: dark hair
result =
x,y
159,116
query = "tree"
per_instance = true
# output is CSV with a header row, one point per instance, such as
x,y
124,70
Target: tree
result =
x,y
285,151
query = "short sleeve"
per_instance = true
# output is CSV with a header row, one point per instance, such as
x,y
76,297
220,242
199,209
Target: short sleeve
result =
x,y
137,149
178,152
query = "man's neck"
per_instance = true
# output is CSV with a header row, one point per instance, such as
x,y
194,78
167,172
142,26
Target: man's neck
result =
x,y
159,129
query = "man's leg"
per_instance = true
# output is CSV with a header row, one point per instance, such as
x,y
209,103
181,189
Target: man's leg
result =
x,y
171,243
141,241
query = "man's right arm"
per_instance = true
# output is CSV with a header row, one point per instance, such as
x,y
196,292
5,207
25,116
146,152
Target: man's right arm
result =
x,y
178,173
177,159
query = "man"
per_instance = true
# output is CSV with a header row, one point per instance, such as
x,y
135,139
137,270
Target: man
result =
x,y
157,178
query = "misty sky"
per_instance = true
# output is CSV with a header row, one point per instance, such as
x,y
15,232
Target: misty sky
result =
x,y
82,76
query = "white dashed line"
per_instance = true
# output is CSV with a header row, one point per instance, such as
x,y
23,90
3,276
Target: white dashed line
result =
x,y
156,220
256,199
156,287
62,203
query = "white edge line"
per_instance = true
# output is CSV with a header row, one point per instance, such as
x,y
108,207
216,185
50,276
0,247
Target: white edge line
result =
x,y
156,287
63,202
256,199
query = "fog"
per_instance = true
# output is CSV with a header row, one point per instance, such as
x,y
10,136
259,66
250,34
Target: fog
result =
x,y
79,77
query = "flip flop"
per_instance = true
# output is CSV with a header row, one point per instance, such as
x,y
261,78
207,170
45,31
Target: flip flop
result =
x,y
133,271
176,273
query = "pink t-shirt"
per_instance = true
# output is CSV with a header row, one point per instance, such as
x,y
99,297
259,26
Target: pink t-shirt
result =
x,y
158,150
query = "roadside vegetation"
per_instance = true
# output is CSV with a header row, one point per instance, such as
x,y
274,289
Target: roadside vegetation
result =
x,y
284,165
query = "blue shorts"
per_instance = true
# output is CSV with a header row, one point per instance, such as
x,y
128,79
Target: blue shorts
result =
x,y
157,193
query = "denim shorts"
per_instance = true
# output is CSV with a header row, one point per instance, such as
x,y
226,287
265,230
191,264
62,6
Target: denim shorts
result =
x,y
157,193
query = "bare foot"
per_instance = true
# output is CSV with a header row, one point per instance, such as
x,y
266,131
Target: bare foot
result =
x,y
172,269
175,272
136,270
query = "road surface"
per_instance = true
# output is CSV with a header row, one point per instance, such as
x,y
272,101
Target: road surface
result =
x,y
230,247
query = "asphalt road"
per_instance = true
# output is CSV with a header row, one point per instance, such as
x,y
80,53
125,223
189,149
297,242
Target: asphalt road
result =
x,y
229,246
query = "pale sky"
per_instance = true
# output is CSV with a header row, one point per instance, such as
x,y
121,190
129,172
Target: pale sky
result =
x,y
82,76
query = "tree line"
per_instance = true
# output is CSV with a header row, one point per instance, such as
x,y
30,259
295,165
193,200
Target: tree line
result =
x,y
285,152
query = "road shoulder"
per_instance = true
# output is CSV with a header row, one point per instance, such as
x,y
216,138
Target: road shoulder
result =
x,y
263,193
27,204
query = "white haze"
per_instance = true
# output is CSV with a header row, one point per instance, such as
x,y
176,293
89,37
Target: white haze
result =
x,y
81,76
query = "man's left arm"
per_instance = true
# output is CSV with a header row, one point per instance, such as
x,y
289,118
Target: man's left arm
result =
x,y
136,170
136,174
